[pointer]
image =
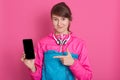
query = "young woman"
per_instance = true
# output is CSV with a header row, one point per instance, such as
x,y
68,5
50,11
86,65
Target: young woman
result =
x,y
60,55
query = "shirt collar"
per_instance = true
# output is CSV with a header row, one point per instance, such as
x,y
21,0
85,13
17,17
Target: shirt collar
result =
x,y
63,36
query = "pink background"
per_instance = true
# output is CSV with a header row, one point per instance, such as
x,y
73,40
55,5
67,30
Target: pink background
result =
x,y
96,21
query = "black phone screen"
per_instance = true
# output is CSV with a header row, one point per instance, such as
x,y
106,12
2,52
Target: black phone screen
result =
x,y
28,49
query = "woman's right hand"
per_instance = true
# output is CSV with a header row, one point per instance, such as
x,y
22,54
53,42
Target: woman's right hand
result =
x,y
29,63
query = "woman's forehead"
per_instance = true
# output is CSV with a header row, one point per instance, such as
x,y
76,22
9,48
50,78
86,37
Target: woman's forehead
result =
x,y
56,16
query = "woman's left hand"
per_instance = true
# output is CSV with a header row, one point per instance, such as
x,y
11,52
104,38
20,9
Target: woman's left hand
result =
x,y
66,60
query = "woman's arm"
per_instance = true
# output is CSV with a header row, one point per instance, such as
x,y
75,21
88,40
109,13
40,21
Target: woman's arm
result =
x,y
81,67
38,63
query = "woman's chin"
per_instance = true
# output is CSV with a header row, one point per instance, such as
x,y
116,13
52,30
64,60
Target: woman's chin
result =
x,y
60,32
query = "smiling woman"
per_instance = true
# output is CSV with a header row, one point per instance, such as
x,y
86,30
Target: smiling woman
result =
x,y
60,52
62,13
61,24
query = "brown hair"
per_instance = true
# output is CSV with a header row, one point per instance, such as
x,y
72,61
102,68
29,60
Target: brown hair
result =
x,y
61,9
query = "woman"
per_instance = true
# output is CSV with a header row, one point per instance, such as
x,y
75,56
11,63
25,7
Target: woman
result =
x,y
60,55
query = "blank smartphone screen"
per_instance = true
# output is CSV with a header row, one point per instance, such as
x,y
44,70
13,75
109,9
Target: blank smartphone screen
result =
x,y
28,49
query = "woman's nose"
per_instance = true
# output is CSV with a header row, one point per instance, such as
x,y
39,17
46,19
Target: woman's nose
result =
x,y
59,23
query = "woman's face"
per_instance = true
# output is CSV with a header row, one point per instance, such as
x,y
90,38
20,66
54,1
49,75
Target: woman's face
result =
x,y
61,24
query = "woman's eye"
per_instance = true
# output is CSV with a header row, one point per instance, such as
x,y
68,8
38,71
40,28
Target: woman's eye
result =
x,y
63,18
55,19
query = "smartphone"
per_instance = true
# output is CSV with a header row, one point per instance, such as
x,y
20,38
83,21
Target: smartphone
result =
x,y
28,49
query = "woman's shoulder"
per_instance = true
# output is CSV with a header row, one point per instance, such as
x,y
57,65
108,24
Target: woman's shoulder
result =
x,y
77,38
45,39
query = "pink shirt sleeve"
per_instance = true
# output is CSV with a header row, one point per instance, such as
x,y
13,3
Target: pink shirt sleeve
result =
x,y
38,63
81,67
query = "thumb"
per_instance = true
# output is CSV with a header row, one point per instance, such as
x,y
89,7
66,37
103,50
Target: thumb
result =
x,y
69,54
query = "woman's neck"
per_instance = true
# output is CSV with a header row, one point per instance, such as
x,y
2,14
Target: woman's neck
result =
x,y
57,33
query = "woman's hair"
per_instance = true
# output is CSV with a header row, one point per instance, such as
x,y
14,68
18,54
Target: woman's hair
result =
x,y
61,9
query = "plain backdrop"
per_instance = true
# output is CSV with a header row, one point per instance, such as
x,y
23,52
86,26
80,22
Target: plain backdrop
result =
x,y
95,21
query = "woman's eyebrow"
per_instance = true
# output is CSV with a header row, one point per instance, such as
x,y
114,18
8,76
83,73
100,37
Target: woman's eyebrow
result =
x,y
54,17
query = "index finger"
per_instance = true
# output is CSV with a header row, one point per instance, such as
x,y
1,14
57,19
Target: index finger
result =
x,y
58,56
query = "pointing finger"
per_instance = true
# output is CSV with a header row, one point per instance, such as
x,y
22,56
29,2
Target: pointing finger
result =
x,y
58,56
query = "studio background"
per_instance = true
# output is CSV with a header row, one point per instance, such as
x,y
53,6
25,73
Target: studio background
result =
x,y
95,21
